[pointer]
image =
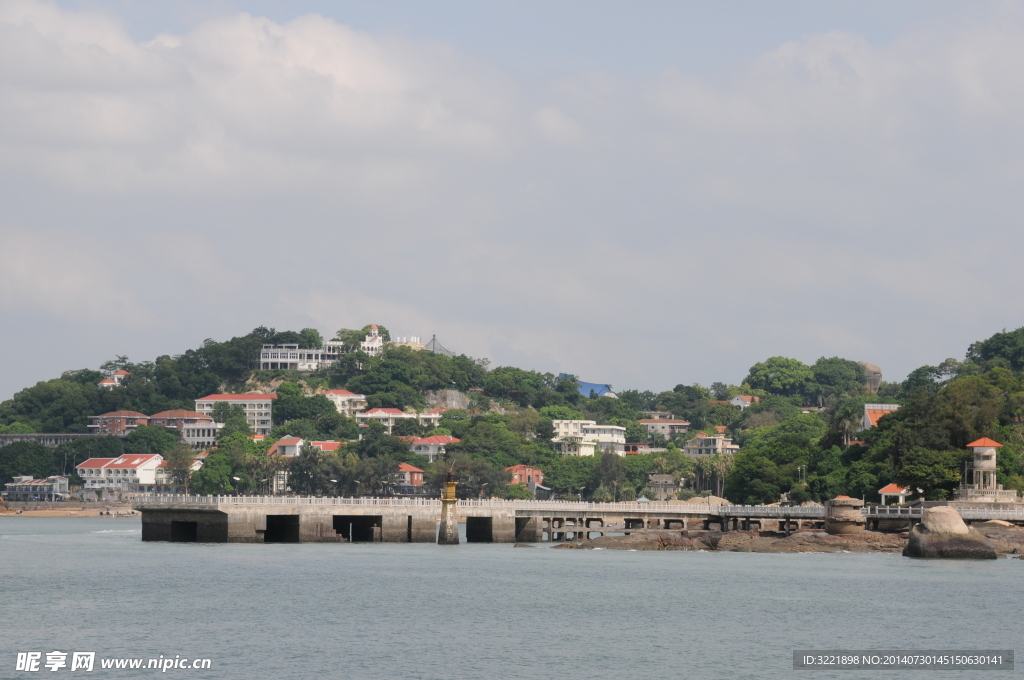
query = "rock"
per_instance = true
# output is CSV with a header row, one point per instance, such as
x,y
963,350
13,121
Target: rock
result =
x,y
523,545
712,539
943,534
943,520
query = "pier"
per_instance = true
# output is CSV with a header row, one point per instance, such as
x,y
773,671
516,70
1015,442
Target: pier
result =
x,y
302,519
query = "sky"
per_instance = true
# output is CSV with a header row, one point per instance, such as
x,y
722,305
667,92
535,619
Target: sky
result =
x,y
643,194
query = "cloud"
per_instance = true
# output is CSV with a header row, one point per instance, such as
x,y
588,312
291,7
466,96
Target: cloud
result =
x,y
831,196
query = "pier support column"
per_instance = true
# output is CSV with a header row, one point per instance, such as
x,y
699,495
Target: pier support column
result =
x,y
448,533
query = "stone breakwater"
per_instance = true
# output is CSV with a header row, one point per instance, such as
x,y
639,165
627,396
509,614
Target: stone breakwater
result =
x,y
1005,538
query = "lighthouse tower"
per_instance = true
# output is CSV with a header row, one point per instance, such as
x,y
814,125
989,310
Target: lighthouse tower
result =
x,y
448,532
980,484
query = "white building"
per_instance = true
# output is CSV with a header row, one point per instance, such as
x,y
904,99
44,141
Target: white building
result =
x,y
291,358
389,416
116,474
347,403
585,437
433,447
115,379
257,408
709,445
743,401
288,447
28,488
665,427
374,342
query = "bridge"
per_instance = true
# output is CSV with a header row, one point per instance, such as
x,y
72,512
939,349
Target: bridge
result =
x,y
290,519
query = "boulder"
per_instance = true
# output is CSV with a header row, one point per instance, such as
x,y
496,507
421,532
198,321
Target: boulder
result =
x,y
943,534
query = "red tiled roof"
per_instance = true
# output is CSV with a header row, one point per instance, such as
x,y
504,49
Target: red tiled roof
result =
x,y
236,397
984,442
340,393
894,489
122,414
436,410
121,371
437,439
182,413
405,467
749,399
287,441
842,496
874,414
389,411
107,381
327,445
523,468
132,460
94,463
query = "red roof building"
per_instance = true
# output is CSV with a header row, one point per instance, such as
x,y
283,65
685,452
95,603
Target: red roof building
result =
x,y
410,476
117,423
328,446
433,447
894,490
286,446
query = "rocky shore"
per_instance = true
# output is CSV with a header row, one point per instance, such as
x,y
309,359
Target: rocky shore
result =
x,y
1006,539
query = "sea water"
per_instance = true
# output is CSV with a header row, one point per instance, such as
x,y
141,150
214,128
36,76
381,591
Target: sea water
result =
x,y
299,611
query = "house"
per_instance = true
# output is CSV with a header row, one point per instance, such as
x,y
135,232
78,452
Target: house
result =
x,y
409,475
665,427
117,423
532,477
389,416
28,488
197,429
709,445
641,449
900,492
124,473
257,408
347,403
743,401
292,358
289,447
607,438
663,486
433,447
115,379
872,413
584,437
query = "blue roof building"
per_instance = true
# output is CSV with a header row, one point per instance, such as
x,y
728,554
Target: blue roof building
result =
x,y
586,388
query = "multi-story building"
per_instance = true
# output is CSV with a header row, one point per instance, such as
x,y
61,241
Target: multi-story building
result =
x,y
607,438
347,403
409,475
584,437
121,473
374,342
28,488
290,357
117,423
257,407
433,447
705,445
665,427
389,416
197,429
286,446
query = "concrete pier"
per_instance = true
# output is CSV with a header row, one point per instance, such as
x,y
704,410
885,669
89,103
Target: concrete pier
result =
x,y
284,519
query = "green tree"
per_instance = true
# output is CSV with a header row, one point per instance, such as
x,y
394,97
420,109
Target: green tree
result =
x,y
26,458
151,439
780,375
561,413
407,427
215,477
179,461
518,491
310,338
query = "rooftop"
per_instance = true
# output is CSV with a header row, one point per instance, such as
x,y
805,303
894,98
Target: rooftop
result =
x,y
236,397
984,442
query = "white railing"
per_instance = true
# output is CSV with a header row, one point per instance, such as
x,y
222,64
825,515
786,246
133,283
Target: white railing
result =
x,y
566,507
896,511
